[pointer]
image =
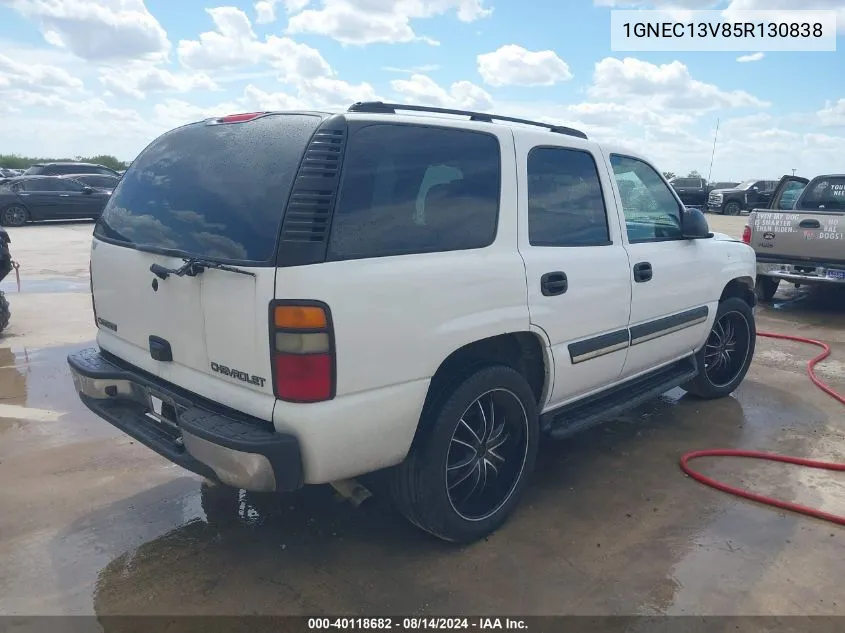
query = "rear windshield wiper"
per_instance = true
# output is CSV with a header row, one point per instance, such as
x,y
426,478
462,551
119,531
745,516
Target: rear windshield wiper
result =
x,y
194,266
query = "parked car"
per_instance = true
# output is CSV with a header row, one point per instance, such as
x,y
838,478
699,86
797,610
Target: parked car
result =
x,y
692,191
100,182
32,198
800,236
58,169
465,288
743,197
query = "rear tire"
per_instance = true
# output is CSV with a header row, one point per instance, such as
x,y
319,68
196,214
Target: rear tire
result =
x,y
464,476
726,356
766,287
5,312
14,215
732,208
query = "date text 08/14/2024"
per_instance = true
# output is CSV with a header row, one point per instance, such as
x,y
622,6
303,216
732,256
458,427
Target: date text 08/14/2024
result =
x,y
417,624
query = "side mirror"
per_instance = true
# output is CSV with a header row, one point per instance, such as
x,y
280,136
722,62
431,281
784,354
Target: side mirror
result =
x,y
87,190
694,224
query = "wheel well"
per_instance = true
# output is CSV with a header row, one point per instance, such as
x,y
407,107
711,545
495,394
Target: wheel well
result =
x,y
522,351
742,288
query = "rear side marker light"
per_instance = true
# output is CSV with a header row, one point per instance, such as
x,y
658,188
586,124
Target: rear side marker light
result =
x,y
302,349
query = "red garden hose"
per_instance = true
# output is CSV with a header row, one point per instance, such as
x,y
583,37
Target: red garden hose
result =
x,y
773,457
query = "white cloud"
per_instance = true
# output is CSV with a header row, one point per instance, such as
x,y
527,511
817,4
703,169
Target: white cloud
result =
x,y
753,57
97,31
138,79
35,78
266,9
388,21
833,114
513,65
235,44
668,86
425,68
461,94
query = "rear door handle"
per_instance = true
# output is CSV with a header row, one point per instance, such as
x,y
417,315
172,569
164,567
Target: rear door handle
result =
x,y
555,283
642,272
810,224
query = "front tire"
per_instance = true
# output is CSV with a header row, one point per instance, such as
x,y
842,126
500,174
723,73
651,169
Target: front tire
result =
x,y
732,208
466,474
727,354
766,287
14,215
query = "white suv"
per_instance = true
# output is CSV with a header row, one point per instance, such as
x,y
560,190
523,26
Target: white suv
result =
x,y
292,298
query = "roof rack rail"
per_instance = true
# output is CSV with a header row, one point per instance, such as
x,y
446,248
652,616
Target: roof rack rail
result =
x,y
379,107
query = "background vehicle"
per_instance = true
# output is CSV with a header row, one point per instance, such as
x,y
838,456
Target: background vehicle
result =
x,y
692,191
32,198
800,237
100,182
58,169
270,346
745,196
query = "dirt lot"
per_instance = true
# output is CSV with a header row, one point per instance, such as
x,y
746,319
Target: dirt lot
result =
x,y
91,522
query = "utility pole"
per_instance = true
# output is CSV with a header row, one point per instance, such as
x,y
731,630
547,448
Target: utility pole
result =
x,y
713,155
793,172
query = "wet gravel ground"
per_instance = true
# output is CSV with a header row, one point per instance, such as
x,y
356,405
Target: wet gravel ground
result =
x,y
92,523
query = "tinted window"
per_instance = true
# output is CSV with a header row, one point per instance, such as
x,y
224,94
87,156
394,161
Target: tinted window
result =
x,y
414,189
651,210
827,193
565,203
214,191
686,182
35,170
98,181
46,184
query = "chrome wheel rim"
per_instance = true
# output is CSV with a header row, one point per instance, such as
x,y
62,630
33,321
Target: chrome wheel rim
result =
x,y
14,215
487,454
727,348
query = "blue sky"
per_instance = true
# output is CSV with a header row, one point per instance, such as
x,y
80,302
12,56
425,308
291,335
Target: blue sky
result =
x,y
84,76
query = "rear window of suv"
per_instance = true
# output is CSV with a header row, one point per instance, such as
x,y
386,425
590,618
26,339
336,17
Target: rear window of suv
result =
x,y
211,191
416,189
823,193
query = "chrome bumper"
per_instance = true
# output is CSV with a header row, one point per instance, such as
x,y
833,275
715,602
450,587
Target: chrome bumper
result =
x,y
218,445
789,272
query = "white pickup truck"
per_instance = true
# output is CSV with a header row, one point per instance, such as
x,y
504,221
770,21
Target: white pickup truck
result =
x,y
800,238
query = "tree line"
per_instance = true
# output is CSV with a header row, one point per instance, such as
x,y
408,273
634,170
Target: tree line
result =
x,y
668,175
14,161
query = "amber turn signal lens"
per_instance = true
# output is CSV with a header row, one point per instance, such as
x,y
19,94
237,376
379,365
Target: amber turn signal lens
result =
x,y
299,317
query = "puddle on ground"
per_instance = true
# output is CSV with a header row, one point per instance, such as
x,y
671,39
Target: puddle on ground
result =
x,y
43,286
38,400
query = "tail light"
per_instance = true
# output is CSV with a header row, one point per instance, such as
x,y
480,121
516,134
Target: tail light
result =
x,y
302,349
746,234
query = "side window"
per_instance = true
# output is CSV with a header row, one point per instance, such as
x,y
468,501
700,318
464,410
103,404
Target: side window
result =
x,y
565,202
651,211
416,189
66,184
789,195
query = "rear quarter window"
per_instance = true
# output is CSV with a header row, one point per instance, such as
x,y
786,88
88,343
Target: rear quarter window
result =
x,y
416,189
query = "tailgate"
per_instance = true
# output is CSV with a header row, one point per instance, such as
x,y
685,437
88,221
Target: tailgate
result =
x,y
210,192
811,236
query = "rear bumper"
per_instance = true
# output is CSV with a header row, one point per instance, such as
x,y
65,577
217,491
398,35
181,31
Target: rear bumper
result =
x,y
807,274
221,446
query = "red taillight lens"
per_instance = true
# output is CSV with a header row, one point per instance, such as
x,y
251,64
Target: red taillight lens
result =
x,y
746,234
302,349
303,377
